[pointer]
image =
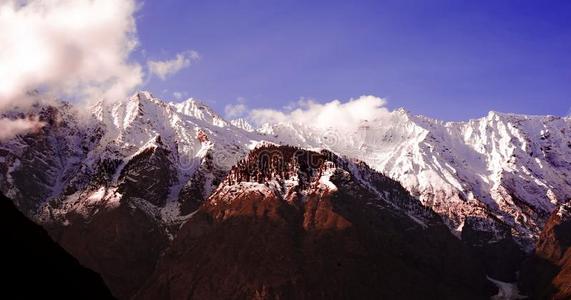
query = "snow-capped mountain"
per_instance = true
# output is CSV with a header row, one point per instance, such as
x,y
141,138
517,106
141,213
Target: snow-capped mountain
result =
x,y
502,169
97,183
506,171
145,165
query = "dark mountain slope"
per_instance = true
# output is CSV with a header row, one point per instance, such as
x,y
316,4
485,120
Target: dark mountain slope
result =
x,y
121,237
34,266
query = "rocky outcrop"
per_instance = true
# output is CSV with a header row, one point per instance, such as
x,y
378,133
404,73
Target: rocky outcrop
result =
x,y
148,175
547,274
201,184
295,224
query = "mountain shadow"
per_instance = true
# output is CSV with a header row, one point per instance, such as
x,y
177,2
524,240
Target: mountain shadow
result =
x,y
34,266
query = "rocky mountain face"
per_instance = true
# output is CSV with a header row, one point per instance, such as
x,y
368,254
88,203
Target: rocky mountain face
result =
x,y
502,174
34,266
547,274
296,224
115,185
113,189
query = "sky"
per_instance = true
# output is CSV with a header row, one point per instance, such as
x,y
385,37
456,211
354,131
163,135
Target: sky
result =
x,y
451,60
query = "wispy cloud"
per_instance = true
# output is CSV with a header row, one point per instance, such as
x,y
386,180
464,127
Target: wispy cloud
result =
x,y
76,48
237,109
166,68
179,95
14,127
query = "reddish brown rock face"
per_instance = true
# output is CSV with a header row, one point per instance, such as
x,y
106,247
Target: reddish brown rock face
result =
x,y
320,238
201,136
562,282
547,274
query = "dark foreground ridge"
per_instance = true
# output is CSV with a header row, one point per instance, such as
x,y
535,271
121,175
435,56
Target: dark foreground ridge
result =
x,y
35,267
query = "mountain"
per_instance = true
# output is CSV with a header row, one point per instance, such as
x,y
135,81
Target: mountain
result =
x,y
242,124
547,274
296,224
112,189
35,267
114,185
506,171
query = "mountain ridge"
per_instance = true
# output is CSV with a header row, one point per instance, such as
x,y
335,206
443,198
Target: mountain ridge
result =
x,y
503,165
145,164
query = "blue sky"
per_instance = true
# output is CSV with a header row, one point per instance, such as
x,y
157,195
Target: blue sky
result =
x,y
444,59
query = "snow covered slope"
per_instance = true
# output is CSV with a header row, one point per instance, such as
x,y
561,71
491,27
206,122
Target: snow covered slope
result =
x,y
502,173
497,171
198,147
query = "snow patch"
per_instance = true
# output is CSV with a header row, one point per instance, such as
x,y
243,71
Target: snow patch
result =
x,y
507,291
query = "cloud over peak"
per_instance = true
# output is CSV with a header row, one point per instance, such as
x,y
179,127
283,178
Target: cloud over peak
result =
x,y
77,48
235,110
334,114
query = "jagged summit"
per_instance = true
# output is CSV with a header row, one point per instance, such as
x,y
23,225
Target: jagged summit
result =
x,y
195,108
242,124
142,96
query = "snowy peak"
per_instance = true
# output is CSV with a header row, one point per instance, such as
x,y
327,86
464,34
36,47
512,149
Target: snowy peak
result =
x,y
143,96
198,110
242,124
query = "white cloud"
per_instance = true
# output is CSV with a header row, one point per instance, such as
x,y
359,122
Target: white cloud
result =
x,y
77,48
177,95
236,110
11,128
165,68
334,114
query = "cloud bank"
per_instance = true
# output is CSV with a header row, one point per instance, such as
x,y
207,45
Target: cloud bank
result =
x,y
76,48
166,68
334,114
